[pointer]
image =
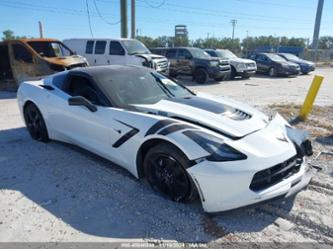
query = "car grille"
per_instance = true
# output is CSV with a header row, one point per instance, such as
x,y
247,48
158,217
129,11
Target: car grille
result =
x,y
77,65
250,64
268,177
162,65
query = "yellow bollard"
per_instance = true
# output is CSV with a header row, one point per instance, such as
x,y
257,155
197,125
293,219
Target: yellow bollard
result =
x,y
310,97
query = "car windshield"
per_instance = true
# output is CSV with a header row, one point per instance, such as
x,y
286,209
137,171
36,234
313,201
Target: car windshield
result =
x,y
135,86
135,47
275,57
50,49
225,54
290,57
199,53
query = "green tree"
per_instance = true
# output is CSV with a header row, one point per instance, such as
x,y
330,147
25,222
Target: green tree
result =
x,y
9,35
148,41
326,42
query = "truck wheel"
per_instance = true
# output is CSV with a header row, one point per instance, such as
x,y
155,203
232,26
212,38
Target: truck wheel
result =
x,y
200,76
232,73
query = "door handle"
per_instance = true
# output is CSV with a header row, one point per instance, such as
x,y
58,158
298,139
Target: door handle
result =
x,y
95,61
108,61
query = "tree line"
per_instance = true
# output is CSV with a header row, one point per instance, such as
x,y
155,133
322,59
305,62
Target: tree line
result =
x,y
236,45
249,43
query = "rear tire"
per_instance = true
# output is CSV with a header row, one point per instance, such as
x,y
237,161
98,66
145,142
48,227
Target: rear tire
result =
x,y
35,123
165,170
201,76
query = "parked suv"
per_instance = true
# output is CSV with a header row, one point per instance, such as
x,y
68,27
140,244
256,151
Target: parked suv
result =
x,y
306,66
274,64
195,62
118,51
239,66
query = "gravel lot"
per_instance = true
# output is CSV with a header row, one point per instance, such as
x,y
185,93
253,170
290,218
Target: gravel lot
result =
x,y
57,192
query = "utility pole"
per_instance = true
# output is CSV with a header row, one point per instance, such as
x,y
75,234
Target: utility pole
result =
x,y
132,19
123,18
41,31
233,23
315,39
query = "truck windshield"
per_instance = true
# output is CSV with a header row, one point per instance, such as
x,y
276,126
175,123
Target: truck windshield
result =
x,y
225,54
199,53
135,47
50,49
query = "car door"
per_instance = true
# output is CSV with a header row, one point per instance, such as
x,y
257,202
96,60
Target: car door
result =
x,y
184,61
171,54
22,62
262,63
95,131
117,54
99,53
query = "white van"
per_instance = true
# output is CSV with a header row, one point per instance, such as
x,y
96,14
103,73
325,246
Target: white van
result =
x,y
117,52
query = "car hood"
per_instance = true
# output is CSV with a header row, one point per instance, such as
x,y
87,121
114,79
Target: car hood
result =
x,y
66,60
150,56
287,63
241,60
302,62
220,114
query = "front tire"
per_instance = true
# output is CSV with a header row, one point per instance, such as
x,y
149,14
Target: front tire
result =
x,y
165,170
272,72
201,76
35,123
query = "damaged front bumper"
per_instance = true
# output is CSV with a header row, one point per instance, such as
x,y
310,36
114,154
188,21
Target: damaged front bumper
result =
x,y
228,185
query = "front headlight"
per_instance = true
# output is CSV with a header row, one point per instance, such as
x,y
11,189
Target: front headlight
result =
x,y
213,63
241,66
219,151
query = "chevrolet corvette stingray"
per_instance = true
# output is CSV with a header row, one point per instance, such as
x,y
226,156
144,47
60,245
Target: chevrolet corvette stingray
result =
x,y
186,145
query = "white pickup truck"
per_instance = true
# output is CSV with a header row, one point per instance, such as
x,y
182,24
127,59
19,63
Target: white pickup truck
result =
x,y
118,51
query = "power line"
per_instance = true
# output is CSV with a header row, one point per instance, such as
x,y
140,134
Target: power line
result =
x,y
157,6
102,17
89,21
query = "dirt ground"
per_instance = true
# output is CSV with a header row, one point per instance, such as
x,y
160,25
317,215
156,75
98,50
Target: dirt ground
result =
x,y
57,192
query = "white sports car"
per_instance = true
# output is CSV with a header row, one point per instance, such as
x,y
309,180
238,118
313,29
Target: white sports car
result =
x,y
186,145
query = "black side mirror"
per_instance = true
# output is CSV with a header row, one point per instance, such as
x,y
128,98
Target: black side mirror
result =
x,y
82,101
188,57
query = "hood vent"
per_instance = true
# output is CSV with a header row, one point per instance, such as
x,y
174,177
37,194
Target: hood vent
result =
x,y
237,114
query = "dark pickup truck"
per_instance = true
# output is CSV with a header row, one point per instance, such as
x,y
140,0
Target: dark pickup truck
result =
x,y
194,62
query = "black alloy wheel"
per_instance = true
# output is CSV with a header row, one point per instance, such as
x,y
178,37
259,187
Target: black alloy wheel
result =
x,y
35,123
165,172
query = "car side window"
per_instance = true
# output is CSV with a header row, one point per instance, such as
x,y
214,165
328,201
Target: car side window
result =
x,y
211,53
253,57
171,54
100,47
183,54
89,47
21,53
116,48
81,86
262,58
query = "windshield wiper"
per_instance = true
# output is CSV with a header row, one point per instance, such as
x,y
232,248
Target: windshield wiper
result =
x,y
163,87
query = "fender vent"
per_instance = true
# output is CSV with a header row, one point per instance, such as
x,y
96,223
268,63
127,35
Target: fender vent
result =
x,y
268,177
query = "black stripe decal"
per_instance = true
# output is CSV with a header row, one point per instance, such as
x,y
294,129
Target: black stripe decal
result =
x,y
159,125
127,136
173,128
124,138
201,141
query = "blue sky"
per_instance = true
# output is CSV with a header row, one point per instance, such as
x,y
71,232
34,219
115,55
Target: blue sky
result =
x,y
69,19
